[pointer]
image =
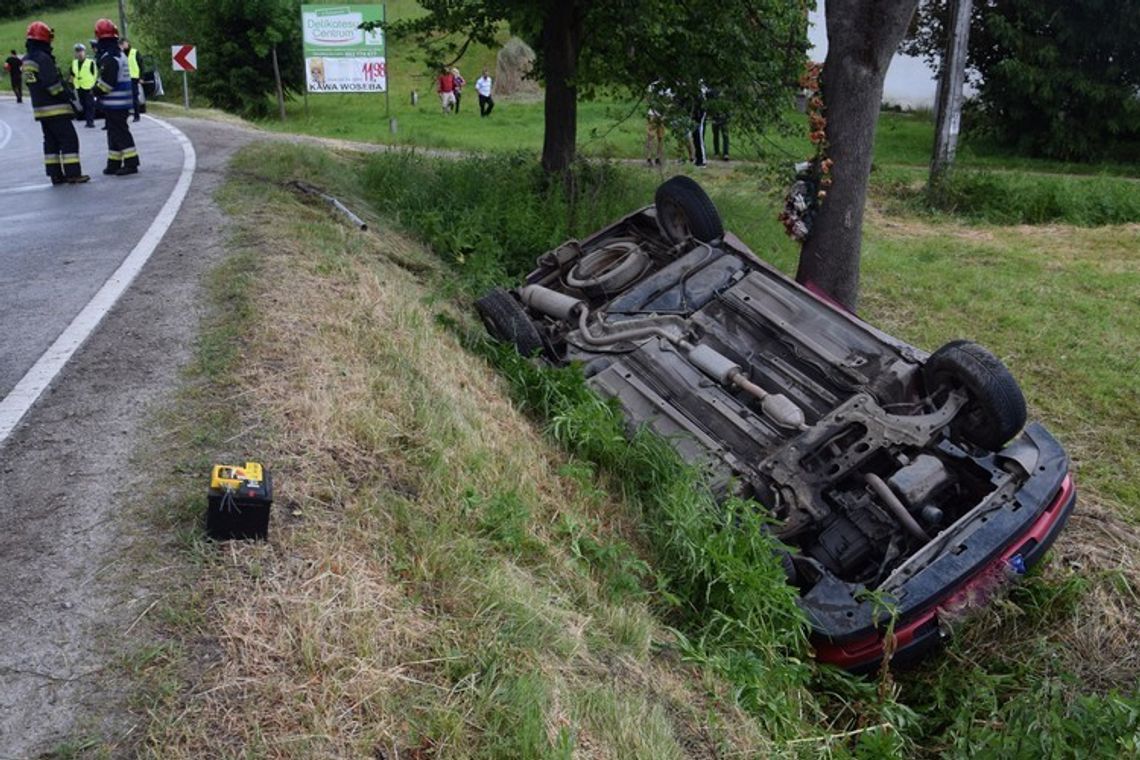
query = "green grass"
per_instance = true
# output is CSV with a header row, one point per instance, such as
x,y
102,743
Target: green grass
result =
x,y
1059,305
71,26
1009,197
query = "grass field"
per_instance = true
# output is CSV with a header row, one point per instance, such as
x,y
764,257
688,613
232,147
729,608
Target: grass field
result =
x,y
71,26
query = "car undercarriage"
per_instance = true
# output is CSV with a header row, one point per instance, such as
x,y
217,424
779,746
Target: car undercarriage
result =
x,y
885,468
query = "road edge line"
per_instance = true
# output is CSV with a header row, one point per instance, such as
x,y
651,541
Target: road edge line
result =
x,y
40,376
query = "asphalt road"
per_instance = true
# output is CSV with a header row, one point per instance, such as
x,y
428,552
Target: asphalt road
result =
x,y
59,245
80,566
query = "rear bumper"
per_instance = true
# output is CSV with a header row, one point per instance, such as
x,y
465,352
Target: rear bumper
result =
x,y
918,633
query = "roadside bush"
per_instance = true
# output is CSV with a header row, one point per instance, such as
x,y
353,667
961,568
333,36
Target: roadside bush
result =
x,y
1026,198
492,216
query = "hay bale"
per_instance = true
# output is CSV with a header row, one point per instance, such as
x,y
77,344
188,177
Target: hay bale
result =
x,y
512,66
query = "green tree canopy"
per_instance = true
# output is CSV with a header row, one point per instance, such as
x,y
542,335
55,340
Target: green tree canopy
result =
x,y
234,39
750,51
1058,78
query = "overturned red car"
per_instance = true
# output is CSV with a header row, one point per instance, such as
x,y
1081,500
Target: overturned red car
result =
x,y
888,469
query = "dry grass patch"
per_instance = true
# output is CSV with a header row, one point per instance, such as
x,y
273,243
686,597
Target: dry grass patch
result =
x,y
417,594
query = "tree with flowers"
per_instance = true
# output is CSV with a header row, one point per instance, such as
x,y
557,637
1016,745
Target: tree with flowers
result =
x,y
862,37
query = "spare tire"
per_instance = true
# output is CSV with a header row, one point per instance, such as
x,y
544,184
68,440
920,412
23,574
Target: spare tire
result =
x,y
608,270
995,411
684,210
507,320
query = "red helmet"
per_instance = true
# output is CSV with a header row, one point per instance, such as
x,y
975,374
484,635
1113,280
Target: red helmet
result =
x,y
105,28
38,30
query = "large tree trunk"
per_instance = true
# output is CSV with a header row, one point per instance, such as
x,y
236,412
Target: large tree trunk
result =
x,y
561,43
862,36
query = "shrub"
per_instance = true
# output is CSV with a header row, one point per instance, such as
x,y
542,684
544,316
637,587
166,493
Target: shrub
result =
x,y
1026,198
492,216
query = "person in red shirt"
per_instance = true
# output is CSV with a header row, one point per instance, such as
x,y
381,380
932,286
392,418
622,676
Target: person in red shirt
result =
x,y
445,86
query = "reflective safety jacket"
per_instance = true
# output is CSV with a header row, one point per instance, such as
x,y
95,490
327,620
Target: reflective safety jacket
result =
x,y
45,85
133,62
83,75
113,88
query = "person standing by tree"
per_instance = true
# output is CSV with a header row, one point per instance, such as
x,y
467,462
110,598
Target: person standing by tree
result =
x,y
659,97
719,116
136,72
12,66
51,107
483,86
114,88
700,114
459,82
445,86
83,80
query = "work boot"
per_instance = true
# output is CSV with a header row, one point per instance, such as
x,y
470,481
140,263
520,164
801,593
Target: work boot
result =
x,y
77,180
126,171
58,181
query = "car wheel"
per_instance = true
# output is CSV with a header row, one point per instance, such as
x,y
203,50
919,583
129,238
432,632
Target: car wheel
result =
x,y
995,412
684,210
507,320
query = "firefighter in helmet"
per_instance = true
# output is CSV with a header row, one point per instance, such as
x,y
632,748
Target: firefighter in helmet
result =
x,y
114,93
52,108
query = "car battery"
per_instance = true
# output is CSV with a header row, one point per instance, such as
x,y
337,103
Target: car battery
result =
x,y
238,502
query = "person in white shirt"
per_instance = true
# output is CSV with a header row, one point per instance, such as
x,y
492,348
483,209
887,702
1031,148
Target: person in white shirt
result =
x,y
483,87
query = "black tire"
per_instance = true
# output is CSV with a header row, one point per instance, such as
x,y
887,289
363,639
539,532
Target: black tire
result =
x,y
995,412
684,210
507,320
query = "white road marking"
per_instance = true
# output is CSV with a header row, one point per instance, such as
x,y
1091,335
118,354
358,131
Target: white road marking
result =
x,y
17,403
5,133
25,188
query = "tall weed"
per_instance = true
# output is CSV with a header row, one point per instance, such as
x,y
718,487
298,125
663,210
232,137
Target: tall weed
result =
x,y
1009,197
492,216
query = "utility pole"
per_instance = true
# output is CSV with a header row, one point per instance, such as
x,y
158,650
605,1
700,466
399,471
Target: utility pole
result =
x,y
122,19
948,109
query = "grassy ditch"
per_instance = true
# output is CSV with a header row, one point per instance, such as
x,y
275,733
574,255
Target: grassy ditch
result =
x,y
442,578
447,578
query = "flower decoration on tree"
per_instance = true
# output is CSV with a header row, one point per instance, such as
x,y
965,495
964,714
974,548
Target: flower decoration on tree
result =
x,y
813,177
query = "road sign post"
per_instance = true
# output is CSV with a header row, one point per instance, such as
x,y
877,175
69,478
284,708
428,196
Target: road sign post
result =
x,y
184,58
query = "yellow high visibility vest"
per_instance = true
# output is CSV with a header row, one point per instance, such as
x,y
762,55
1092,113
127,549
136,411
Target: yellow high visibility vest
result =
x,y
133,62
83,76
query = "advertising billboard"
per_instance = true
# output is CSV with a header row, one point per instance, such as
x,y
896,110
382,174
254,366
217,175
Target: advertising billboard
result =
x,y
339,56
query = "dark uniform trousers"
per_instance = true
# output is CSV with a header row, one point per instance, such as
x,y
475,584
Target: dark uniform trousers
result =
x,y
121,152
61,147
87,98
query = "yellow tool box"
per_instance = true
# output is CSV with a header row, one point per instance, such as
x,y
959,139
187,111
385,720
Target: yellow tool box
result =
x,y
238,502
